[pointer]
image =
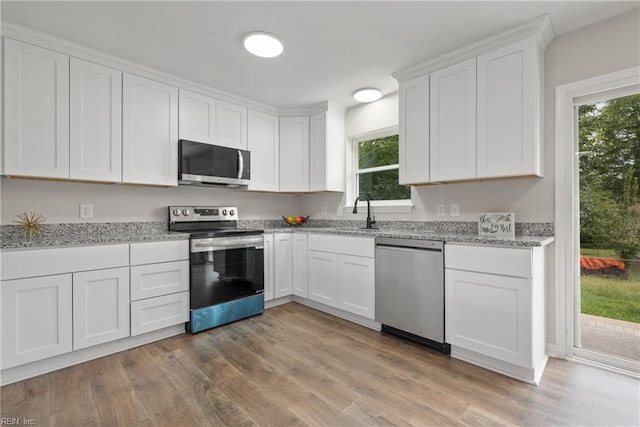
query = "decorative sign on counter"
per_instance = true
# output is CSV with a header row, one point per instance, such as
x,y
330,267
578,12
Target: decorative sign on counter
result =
x,y
497,224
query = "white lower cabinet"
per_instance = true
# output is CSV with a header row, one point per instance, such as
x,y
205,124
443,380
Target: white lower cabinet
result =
x,y
100,306
156,313
159,285
494,305
356,285
268,266
36,319
300,270
341,273
283,270
323,277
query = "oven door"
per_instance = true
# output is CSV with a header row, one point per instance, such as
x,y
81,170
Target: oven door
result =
x,y
225,269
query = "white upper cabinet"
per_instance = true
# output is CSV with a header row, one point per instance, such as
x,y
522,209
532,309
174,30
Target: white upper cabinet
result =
x,y
509,99
294,154
36,111
197,117
149,132
413,149
453,122
95,122
476,112
327,150
263,143
231,126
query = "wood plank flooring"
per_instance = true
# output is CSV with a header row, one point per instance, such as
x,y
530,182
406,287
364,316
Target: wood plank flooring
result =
x,y
295,366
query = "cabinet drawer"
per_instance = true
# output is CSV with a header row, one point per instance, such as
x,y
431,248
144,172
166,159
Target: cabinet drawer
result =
x,y
505,261
44,262
160,312
357,246
154,252
154,280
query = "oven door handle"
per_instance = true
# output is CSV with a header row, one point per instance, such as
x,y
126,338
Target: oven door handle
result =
x,y
205,247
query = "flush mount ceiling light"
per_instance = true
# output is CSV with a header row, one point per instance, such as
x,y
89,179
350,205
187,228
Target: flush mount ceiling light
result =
x,y
264,45
367,94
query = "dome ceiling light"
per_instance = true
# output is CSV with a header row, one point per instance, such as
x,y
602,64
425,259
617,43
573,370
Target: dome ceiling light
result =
x,y
262,44
368,94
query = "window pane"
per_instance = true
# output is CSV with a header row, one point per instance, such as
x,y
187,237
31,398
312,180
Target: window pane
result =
x,y
378,152
382,186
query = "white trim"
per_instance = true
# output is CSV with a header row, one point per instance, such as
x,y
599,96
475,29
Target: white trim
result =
x,y
384,206
565,209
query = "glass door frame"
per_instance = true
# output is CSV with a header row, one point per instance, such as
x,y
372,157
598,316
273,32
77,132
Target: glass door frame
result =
x,y
567,211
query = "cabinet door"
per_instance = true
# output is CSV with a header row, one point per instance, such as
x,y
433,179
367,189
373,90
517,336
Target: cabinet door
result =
x,y
149,132
356,285
95,122
36,111
509,111
100,306
264,145
294,154
197,117
152,314
318,152
323,277
231,126
153,280
413,146
453,122
283,271
268,267
489,314
36,319
300,270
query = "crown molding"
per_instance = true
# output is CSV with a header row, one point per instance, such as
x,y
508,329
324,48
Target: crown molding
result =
x,y
539,27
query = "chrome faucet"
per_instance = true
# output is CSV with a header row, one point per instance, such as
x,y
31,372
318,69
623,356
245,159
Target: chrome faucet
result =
x,y
370,221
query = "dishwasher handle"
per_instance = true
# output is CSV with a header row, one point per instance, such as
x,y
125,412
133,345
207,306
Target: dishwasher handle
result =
x,y
431,245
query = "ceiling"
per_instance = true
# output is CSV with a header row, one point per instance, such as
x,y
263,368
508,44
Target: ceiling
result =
x,y
331,48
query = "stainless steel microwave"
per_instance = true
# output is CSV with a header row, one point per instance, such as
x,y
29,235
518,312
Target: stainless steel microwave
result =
x,y
206,164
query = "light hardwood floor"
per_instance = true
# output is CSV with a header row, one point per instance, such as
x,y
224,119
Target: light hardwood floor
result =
x,y
296,366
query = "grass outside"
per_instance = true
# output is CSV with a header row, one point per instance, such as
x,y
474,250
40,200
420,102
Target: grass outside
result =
x,y
608,296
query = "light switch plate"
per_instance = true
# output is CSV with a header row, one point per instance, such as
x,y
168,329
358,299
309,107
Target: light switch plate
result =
x,y
86,210
455,209
440,209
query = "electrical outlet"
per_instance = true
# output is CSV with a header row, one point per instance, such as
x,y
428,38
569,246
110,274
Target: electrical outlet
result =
x,y
324,211
339,211
440,209
86,211
455,209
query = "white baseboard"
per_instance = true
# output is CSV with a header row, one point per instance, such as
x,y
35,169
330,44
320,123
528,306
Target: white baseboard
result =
x,y
363,321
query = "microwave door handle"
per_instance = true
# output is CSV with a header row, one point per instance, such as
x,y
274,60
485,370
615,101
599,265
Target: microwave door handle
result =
x,y
240,164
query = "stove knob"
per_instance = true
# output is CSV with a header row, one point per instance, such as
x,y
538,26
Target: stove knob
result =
x,y
186,212
224,212
176,212
232,212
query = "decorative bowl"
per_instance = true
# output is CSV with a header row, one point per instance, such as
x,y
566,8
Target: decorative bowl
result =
x,y
295,221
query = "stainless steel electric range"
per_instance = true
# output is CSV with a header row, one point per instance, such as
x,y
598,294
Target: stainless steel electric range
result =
x,y
227,265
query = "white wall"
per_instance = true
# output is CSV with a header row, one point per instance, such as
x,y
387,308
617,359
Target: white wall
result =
x,y
59,201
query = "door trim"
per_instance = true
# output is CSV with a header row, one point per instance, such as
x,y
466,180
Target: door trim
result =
x,y
567,97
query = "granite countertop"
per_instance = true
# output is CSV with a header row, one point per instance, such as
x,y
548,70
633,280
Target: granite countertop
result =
x,y
63,235
85,234
448,237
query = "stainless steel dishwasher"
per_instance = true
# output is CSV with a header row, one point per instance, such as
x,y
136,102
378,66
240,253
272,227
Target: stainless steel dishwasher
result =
x,y
410,290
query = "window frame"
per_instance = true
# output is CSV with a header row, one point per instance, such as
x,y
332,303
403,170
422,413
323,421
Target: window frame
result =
x,y
382,206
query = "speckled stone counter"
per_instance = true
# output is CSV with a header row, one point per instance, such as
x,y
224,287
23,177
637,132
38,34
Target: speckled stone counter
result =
x,y
85,234
527,234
